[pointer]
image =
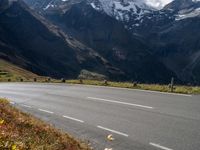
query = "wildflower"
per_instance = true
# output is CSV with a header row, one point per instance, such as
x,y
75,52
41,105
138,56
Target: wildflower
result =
x,y
14,147
1,121
110,137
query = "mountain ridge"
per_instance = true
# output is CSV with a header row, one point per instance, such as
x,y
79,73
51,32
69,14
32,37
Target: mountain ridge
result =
x,y
45,50
148,47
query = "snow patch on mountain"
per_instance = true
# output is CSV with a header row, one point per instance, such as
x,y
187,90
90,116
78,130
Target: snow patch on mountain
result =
x,y
159,4
188,14
156,4
122,10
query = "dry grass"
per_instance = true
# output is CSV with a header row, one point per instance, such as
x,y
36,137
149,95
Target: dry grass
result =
x,y
153,87
14,73
19,131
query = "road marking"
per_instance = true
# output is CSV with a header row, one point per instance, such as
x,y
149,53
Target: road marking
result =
x,y
120,102
27,106
167,93
140,90
43,110
113,131
160,146
74,119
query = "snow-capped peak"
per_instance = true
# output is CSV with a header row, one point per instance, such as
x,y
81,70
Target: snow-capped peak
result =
x,y
156,4
159,4
109,5
122,9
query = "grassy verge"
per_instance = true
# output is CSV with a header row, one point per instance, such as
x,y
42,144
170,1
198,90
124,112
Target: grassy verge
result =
x,y
12,73
19,131
153,87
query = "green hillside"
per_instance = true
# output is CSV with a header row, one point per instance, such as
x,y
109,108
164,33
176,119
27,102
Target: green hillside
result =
x,y
12,72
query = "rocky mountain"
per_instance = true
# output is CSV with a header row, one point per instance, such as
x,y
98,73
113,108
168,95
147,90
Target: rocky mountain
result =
x,y
147,44
179,5
62,50
33,43
122,10
173,34
110,39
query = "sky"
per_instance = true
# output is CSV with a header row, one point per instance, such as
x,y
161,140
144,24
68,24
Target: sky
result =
x,y
158,3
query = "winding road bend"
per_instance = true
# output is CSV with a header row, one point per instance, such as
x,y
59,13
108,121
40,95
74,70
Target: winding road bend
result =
x,y
138,120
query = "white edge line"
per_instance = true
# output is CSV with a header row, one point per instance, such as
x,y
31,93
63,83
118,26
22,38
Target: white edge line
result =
x,y
120,102
140,90
27,106
167,93
43,110
160,146
114,131
74,119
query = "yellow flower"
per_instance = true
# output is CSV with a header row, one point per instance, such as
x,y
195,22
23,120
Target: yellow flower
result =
x,y
110,137
14,147
1,121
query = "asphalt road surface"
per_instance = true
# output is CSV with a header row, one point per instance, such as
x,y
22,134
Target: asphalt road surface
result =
x,y
138,120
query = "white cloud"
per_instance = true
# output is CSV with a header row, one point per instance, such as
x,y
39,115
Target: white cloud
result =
x,y
158,3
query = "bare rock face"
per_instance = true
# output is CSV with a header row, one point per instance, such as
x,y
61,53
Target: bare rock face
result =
x,y
4,4
121,39
33,43
59,52
178,5
110,39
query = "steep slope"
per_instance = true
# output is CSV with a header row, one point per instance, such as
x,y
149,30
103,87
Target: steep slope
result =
x,y
9,71
174,33
181,49
165,40
33,43
178,5
122,10
126,11
110,39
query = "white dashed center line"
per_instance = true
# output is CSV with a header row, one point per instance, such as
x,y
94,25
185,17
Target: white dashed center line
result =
x,y
120,102
113,131
43,110
74,119
160,146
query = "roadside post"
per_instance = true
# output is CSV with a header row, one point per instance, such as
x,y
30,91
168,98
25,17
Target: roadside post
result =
x,y
63,80
172,84
105,82
80,81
